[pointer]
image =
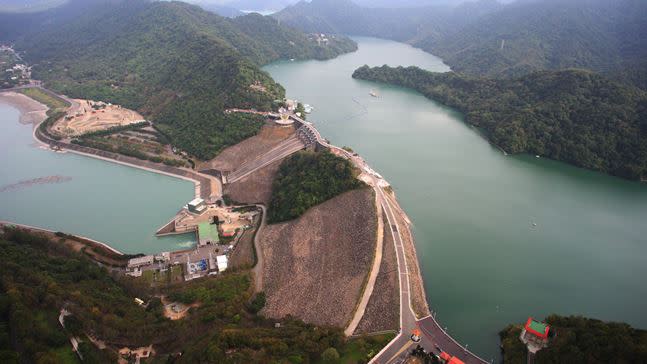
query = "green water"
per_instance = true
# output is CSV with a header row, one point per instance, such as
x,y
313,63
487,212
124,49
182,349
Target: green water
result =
x,y
115,204
484,263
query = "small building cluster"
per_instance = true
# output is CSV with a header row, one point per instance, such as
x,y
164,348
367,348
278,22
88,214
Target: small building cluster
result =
x,y
217,230
12,73
320,38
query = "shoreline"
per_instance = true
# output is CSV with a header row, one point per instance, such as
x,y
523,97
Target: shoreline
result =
x,y
29,227
30,110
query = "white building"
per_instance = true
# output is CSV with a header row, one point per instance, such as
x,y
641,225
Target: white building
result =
x,y
197,206
221,260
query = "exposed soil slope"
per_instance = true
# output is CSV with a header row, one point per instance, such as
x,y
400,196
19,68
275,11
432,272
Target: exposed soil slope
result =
x,y
249,149
315,266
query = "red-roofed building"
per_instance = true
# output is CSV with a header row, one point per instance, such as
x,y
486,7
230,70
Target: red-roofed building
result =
x,y
448,359
535,335
537,328
444,356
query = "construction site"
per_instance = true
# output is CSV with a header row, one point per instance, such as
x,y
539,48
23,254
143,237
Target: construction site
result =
x,y
87,116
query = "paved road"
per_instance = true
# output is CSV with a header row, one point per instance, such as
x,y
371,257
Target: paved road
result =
x,y
433,337
258,268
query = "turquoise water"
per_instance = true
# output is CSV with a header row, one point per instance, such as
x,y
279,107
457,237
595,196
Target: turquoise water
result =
x,y
115,204
484,263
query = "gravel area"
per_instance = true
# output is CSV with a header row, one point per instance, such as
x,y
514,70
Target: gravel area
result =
x,y
383,309
315,266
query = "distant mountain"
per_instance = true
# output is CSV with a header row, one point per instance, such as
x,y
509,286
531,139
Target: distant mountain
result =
x,y
402,24
217,8
260,5
491,39
27,6
606,36
179,65
574,116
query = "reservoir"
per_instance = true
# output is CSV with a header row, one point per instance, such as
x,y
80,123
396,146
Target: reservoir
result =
x,y
112,203
499,238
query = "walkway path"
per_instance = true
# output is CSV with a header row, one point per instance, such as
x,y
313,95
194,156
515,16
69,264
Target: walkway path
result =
x,y
258,268
372,277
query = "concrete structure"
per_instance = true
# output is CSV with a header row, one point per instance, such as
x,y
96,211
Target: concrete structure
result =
x,y
197,206
141,261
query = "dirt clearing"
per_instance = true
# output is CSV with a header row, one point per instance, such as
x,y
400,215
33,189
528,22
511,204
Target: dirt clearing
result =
x,y
255,188
86,116
315,266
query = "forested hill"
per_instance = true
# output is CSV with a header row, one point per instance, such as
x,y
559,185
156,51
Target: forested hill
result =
x,y
576,339
573,116
179,65
609,37
485,38
404,24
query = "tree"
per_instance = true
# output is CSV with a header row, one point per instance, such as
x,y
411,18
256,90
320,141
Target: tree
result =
x,y
330,355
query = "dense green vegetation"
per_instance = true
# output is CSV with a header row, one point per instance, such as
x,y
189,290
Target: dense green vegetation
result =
x,y
485,38
38,277
573,116
177,64
580,340
600,35
307,179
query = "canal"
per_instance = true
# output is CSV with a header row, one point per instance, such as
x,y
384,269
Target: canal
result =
x,y
499,237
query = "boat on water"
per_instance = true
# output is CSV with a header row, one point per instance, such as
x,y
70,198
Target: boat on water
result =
x,y
373,93
307,108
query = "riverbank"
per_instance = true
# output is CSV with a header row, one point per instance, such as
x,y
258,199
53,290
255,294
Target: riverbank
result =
x,y
31,111
98,251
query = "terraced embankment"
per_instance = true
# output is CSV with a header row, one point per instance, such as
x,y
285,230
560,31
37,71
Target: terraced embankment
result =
x,y
316,265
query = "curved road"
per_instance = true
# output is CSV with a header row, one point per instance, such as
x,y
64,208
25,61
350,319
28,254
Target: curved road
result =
x,y
258,268
433,337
